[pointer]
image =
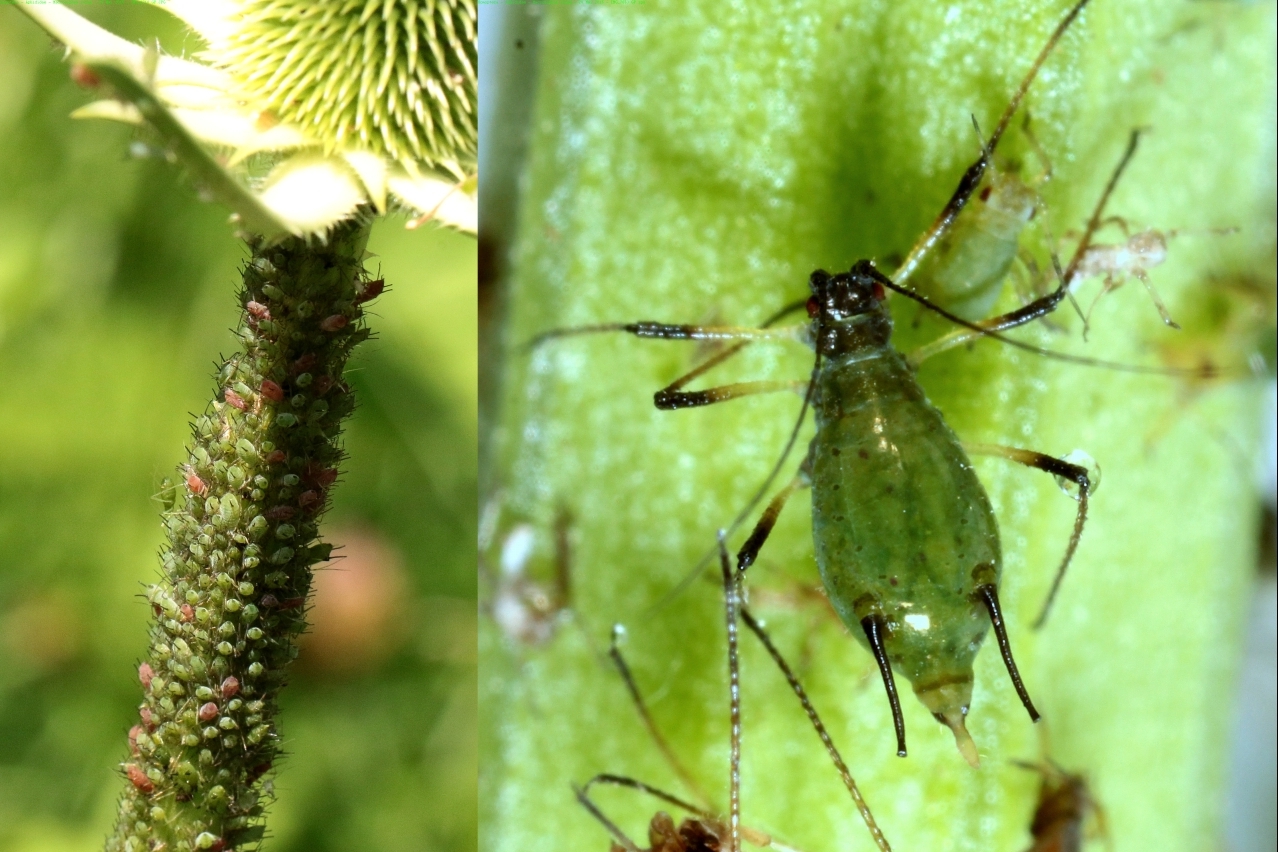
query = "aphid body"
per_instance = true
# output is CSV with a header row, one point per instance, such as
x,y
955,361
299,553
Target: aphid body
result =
x,y
965,270
904,533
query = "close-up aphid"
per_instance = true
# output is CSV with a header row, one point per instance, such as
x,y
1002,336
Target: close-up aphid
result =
x,y
688,171
905,537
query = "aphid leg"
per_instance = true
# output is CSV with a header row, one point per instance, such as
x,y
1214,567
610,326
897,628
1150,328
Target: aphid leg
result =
x,y
1034,310
848,781
731,606
583,797
1039,152
1063,471
672,400
972,176
750,550
618,661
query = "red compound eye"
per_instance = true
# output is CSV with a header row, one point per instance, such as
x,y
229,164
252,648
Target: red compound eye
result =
x,y
985,193
879,293
814,307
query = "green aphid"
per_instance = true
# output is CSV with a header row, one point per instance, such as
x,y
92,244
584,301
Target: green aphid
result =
x,y
965,271
904,534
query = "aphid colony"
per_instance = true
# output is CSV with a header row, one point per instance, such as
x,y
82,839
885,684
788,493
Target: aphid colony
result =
x,y
242,537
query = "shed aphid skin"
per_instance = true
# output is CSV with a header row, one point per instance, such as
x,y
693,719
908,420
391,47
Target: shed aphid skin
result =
x,y
1119,262
705,831
526,609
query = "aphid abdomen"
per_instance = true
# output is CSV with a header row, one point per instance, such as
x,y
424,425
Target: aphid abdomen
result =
x,y
901,524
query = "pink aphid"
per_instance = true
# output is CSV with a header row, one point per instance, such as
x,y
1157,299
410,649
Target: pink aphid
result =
x,y
272,391
208,712
280,513
145,674
230,687
371,291
301,365
138,778
275,457
233,398
186,613
196,485
133,738
148,720
336,322
258,311
308,498
85,77
319,475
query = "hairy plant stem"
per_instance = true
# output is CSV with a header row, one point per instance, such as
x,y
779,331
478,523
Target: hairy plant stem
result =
x,y
243,535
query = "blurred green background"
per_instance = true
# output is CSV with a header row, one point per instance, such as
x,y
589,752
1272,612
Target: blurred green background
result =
x,y
117,293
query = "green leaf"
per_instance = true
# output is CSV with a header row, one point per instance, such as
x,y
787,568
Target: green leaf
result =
x,y
695,163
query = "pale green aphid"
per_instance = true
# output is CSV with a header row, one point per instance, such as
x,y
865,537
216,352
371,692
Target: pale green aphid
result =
x,y
965,271
905,537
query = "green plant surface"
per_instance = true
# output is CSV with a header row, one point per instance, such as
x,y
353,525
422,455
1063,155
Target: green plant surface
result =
x,y
116,305
694,164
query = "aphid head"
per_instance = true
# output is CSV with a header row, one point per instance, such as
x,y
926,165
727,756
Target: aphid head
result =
x,y
848,310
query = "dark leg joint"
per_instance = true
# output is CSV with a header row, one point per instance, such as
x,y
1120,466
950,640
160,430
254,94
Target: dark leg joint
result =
x,y
989,595
873,626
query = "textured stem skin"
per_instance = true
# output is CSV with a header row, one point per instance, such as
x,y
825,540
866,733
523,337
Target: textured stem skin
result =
x,y
242,523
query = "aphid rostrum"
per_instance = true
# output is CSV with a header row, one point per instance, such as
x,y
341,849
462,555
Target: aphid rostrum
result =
x,y
904,534
705,830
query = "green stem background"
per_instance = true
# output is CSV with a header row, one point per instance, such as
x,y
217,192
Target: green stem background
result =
x,y
694,163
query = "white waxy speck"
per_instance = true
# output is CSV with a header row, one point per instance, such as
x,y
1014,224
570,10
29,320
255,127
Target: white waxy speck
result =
x,y
918,621
516,549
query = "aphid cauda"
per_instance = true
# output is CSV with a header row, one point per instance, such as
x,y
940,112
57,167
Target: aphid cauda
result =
x,y
706,831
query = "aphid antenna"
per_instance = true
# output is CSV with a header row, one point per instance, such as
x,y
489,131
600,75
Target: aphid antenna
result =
x,y
636,697
731,606
972,176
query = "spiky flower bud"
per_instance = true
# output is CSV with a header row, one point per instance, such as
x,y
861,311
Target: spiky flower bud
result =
x,y
397,78
219,645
